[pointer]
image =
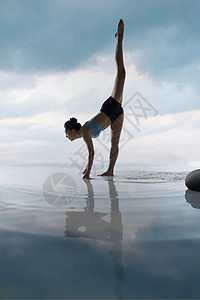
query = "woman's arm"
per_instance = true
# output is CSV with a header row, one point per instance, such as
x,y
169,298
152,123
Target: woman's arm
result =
x,y
90,147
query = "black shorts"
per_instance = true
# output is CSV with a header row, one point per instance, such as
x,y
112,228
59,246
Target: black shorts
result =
x,y
112,109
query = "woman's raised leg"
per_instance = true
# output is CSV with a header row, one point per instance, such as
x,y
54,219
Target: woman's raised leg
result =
x,y
117,91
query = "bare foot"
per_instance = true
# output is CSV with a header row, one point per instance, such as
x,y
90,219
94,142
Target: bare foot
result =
x,y
107,173
120,29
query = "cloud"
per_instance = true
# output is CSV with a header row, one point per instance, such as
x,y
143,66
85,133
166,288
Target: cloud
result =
x,y
49,36
82,92
170,140
39,36
165,56
57,61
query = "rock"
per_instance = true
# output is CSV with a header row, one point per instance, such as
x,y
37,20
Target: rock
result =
x,y
192,180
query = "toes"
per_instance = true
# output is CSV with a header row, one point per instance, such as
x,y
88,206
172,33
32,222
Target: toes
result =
x,y
121,24
120,28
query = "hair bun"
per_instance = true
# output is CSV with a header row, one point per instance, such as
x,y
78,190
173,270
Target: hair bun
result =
x,y
72,124
73,120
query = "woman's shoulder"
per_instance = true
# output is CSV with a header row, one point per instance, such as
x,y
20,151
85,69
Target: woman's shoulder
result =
x,y
85,129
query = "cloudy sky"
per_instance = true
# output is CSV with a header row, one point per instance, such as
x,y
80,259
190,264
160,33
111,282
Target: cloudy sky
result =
x,y
57,61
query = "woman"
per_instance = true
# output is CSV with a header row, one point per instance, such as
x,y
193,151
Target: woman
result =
x,y
111,113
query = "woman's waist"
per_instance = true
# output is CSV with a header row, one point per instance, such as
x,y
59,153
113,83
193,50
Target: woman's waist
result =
x,y
102,119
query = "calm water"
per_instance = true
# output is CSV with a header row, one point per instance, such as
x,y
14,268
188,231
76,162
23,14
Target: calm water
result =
x,y
135,236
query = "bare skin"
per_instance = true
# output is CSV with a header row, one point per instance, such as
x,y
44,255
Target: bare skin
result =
x,y
102,118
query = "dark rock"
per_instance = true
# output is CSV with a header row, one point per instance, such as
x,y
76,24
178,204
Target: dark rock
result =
x,y
192,180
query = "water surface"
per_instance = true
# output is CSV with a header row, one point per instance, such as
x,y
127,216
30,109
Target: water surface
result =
x,y
133,236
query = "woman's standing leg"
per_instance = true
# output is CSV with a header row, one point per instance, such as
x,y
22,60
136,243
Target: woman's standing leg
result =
x,y
116,128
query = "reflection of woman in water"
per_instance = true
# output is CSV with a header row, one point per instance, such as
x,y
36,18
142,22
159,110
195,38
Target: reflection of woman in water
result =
x,y
91,224
111,114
